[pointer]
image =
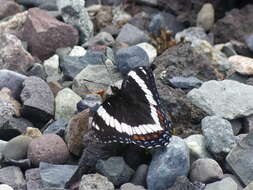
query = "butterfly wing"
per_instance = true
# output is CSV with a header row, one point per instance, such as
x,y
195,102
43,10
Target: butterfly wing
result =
x,y
134,114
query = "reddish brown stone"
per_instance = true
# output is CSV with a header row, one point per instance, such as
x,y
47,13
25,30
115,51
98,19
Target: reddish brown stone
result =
x,y
8,8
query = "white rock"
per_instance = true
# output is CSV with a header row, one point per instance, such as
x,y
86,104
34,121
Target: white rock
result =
x,y
5,187
242,64
51,66
149,49
77,51
205,18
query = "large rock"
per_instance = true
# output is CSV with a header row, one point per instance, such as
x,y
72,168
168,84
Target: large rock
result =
x,y
167,164
43,32
8,8
228,99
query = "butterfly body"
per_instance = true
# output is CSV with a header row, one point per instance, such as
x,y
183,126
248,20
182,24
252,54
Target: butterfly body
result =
x,y
134,114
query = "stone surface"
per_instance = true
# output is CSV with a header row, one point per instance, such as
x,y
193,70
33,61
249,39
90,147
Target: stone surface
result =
x,y
55,34
102,38
90,101
48,148
58,127
96,182
33,179
38,100
12,176
55,175
131,57
78,125
132,35
248,124
219,144
249,41
115,169
242,64
249,186
184,82
227,183
149,49
37,70
162,174
9,8
183,183
74,13
5,187
139,178
16,148
130,186
32,132
52,69
65,103
13,56
77,51
205,18
239,159
228,99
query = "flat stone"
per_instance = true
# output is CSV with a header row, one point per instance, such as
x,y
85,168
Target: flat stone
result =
x,y
205,18
242,64
228,99
130,186
227,183
33,179
184,82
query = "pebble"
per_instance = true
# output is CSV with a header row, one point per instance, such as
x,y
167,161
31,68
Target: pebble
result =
x,y
5,187
161,173
37,70
52,68
183,183
32,132
58,127
102,38
131,57
150,50
130,186
77,51
139,178
249,42
223,98
227,183
205,18
96,182
219,144
242,64
65,103
33,179
184,82
115,169
48,148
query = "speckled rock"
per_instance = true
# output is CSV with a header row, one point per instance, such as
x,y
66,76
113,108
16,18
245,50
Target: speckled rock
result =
x,y
205,18
242,64
9,8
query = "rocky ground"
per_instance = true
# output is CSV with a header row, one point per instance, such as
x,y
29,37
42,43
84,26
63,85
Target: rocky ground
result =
x,y
58,56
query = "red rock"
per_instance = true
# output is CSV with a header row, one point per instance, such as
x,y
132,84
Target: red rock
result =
x,y
8,8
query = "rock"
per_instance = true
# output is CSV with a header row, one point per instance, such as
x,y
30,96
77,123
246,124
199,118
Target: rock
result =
x,y
205,170
52,69
17,147
78,125
249,186
15,84
38,100
90,101
183,183
102,16
139,178
2,147
9,8
242,64
249,42
197,147
32,132
248,124
12,54
75,13
236,125
65,103
55,86
131,35
48,148
55,34
120,16
96,182
5,187
115,169
129,58
227,183
55,175
32,3
219,144
239,159
12,176
102,38
227,49
77,51
58,127
33,179
184,82
12,127
205,18
130,186
239,185
162,174
37,70
211,95
149,49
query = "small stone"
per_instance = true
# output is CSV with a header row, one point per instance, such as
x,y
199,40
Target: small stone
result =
x,y
223,98
102,38
33,179
9,8
115,169
77,51
242,64
227,183
139,178
56,175
32,132
58,127
65,103
149,49
248,124
131,35
249,186
184,82
5,187
205,18
205,170
130,186
51,66
161,173
120,16
48,148
219,144
37,70
96,182
183,183
90,101
249,42
129,58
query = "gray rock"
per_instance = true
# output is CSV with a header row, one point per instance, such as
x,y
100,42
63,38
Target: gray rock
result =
x,y
249,42
130,186
55,175
149,49
184,82
227,183
52,69
38,100
37,70
205,18
102,38
132,35
34,3
96,182
183,183
167,164
131,57
33,179
219,144
139,178
65,103
77,51
16,148
249,186
205,170
248,124
239,159
227,49
58,127
239,184
228,99
75,13
12,176
237,125
115,169
89,101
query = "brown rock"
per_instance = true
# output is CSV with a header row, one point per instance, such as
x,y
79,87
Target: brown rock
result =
x,y
243,65
8,8
55,87
48,148
77,127
32,132
45,34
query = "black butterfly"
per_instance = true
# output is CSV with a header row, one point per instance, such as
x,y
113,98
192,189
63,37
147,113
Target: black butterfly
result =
x,y
134,113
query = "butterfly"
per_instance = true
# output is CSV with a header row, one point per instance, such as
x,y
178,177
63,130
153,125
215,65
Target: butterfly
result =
x,y
134,113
